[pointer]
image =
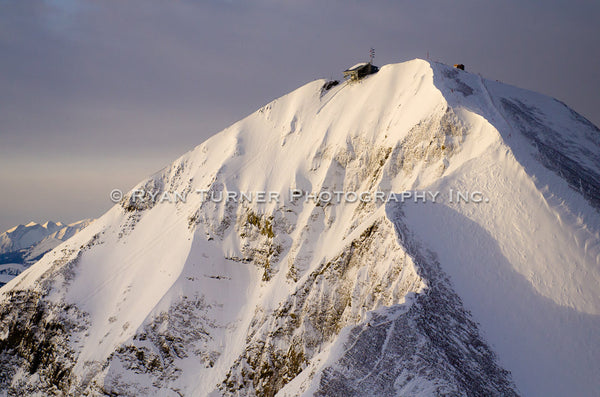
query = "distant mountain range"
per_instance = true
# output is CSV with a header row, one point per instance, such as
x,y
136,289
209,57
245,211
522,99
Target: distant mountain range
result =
x,y
23,245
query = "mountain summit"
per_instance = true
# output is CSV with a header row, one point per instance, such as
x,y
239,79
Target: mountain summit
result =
x,y
422,231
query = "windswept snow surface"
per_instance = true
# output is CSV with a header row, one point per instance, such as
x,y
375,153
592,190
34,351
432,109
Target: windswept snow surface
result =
x,y
526,261
295,297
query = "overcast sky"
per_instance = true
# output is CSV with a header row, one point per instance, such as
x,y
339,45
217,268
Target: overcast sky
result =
x,y
98,95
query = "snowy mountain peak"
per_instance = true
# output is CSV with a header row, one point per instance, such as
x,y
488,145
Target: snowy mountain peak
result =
x,y
421,231
50,224
22,245
24,236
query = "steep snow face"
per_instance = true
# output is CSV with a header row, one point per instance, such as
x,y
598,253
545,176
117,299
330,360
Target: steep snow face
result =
x,y
527,262
209,296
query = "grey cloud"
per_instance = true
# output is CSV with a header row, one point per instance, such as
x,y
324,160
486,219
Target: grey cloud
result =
x,y
143,81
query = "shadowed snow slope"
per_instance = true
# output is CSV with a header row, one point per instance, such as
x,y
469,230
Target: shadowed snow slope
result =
x,y
208,296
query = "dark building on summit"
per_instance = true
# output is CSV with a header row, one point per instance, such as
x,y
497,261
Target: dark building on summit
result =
x,y
360,70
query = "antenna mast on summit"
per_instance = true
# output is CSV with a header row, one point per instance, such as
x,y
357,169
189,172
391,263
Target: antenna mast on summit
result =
x,y
371,55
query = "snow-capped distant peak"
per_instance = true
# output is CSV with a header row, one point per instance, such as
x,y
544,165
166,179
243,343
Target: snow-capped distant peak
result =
x,y
22,245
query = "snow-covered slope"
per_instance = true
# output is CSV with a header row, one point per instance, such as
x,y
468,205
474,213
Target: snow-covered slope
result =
x,y
23,245
295,296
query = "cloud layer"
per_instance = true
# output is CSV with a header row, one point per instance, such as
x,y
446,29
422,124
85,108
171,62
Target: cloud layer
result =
x,y
97,95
